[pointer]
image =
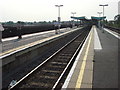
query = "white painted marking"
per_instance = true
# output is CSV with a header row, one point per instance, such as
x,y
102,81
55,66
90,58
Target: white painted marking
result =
x,y
34,34
8,39
29,35
117,36
97,44
65,85
34,43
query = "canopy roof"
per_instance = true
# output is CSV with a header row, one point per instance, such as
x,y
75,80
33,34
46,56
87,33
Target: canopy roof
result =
x,y
92,17
98,18
79,18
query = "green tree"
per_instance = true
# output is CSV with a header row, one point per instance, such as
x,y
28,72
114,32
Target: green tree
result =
x,y
9,23
117,20
21,22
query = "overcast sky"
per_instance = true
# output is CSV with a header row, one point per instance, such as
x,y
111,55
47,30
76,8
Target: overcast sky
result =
x,y
45,10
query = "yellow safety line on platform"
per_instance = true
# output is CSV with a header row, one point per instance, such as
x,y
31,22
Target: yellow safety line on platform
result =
x,y
34,43
31,44
81,73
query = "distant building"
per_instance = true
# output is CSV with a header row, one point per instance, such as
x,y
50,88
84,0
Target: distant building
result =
x,y
119,7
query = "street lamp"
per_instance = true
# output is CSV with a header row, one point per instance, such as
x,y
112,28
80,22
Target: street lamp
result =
x,y
99,13
73,19
73,13
99,17
59,19
103,7
59,12
19,27
103,10
1,29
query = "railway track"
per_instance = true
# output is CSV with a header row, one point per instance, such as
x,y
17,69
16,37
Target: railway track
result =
x,y
52,72
44,52
117,30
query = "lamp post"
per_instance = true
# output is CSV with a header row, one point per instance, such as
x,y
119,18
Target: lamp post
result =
x,y
73,19
103,8
99,17
73,13
99,13
59,12
19,27
1,29
59,19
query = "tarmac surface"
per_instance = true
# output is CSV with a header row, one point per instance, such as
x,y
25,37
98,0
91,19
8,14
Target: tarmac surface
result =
x,y
96,66
13,45
105,74
10,43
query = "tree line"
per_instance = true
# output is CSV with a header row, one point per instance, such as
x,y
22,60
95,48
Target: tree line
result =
x,y
114,23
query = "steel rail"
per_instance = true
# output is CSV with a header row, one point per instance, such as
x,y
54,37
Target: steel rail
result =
x,y
12,87
68,64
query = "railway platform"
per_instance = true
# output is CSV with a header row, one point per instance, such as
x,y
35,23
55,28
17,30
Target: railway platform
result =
x,y
15,59
96,65
13,44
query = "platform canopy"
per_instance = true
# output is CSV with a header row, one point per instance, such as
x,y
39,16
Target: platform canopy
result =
x,y
80,18
92,18
98,18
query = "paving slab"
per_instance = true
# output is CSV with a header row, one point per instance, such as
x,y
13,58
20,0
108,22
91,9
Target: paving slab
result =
x,y
105,69
84,64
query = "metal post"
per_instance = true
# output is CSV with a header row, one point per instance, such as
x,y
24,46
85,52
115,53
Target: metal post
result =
x,y
103,16
58,14
1,29
99,20
103,20
59,19
103,11
73,16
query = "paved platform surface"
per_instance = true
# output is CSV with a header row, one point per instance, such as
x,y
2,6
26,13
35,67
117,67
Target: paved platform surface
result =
x,y
97,63
106,62
11,45
81,73
13,42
